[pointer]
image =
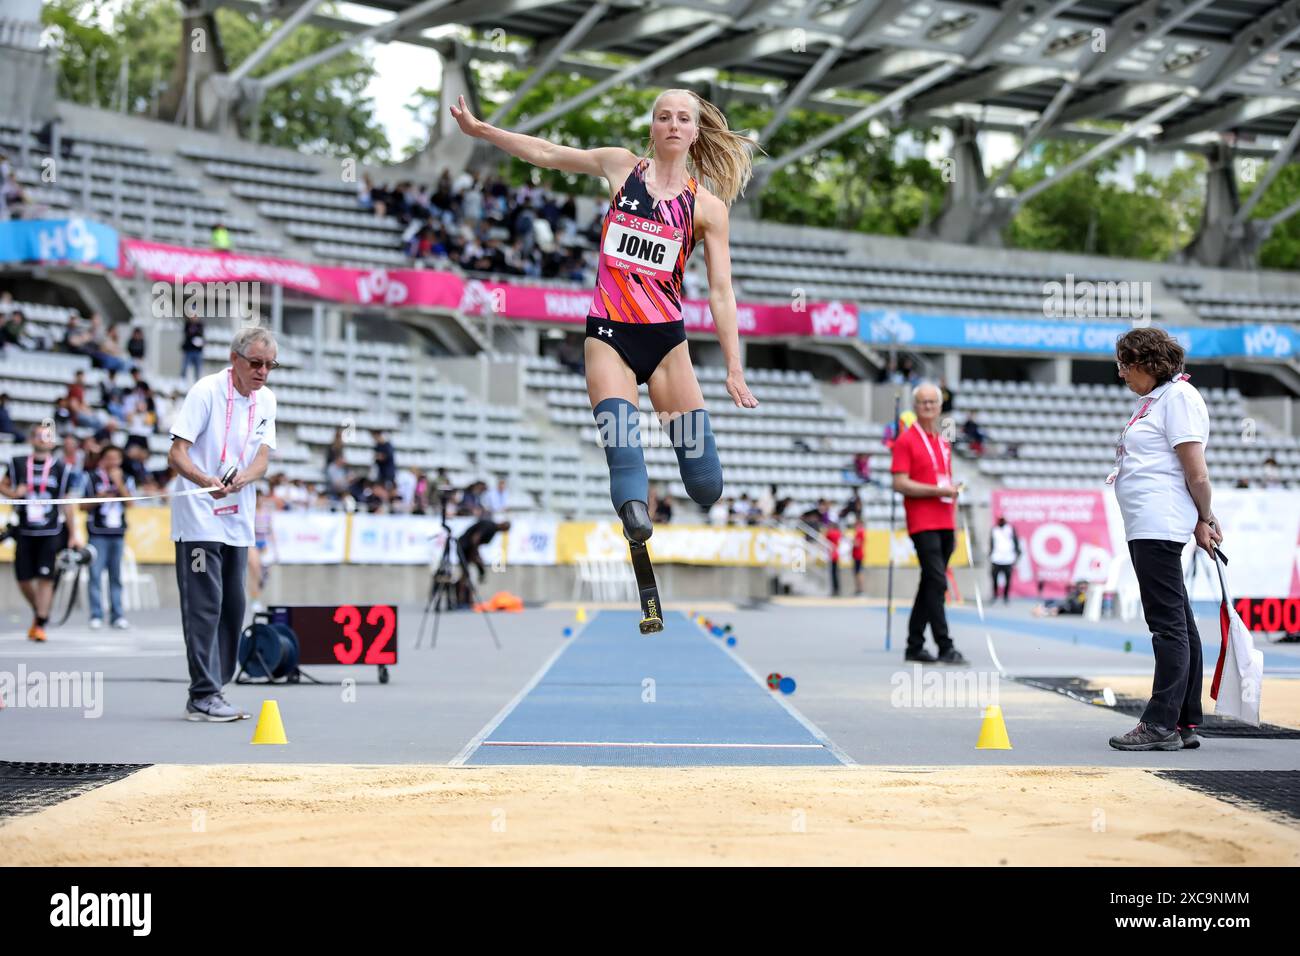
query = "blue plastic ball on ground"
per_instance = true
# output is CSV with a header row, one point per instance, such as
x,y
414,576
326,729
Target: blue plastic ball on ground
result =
x,y
568,632
787,685
717,632
731,642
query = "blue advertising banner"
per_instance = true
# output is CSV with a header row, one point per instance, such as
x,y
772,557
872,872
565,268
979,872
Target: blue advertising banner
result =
x,y
912,330
82,241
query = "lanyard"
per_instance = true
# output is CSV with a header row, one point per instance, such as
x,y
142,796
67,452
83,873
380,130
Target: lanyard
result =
x,y
230,412
925,440
45,473
1146,405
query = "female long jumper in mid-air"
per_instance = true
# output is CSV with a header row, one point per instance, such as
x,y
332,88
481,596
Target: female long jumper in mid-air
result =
x,y
635,331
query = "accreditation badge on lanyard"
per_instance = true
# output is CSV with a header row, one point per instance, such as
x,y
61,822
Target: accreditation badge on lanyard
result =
x,y
1139,414
36,513
944,476
227,510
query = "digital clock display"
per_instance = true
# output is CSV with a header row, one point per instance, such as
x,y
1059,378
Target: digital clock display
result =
x,y
342,633
1270,615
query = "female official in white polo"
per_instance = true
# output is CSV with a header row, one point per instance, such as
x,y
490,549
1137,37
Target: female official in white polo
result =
x,y
1163,488
223,435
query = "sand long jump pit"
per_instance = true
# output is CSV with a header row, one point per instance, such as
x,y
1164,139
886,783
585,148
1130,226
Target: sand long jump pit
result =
x,y
364,815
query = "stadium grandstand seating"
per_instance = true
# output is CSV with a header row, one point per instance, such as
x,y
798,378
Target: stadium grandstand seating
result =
x,y
276,201
1064,436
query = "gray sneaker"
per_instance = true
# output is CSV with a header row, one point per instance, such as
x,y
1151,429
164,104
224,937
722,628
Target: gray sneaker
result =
x,y
243,715
1148,737
211,708
1190,740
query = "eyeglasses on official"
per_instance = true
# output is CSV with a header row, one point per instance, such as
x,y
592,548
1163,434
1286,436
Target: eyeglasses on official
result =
x,y
257,364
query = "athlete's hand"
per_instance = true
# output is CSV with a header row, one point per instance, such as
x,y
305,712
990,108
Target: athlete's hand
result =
x,y
739,391
470,125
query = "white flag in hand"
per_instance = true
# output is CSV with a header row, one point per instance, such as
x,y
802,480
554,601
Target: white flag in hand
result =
x,y
1239,674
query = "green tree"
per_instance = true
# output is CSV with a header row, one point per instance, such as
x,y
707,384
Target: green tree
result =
x,y
323,110
1087,212
1282,249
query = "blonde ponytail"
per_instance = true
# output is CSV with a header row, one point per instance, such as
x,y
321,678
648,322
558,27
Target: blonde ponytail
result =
x,y
721,158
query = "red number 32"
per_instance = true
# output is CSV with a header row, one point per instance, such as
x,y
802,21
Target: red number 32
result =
x,y
349,617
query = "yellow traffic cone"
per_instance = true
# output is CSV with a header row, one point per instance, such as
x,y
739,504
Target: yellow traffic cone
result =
x,y
993,732
270,729
582,614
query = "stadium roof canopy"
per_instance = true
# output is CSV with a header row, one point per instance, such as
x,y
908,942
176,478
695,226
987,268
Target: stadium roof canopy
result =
x,y
1216,76
1195,67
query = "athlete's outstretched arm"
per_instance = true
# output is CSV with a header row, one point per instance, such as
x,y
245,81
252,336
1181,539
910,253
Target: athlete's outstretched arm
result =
x,y
541,152
722,298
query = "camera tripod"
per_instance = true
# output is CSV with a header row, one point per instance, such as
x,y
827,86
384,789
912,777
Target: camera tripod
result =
x,y
442,587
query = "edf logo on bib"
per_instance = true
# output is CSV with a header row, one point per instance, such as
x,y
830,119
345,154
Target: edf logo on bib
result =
x,y
642,246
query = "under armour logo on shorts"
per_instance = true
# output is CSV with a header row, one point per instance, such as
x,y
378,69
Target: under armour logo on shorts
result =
x,y
604,331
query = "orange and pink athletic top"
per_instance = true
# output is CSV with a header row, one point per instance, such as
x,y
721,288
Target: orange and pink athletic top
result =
x,y
644,245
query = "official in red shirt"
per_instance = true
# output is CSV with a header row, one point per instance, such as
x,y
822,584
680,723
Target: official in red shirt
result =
x,y
859,553
922,469
833,538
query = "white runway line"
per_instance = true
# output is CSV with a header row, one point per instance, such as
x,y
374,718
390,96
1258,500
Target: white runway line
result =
x,y
643,743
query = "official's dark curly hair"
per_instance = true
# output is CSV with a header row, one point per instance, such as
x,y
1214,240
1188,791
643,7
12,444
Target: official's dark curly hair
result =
x,y
1153,350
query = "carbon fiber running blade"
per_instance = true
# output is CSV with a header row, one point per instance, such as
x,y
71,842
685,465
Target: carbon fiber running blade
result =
x,y
652,621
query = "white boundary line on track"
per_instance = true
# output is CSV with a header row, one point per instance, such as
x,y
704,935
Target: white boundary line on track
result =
x,y
477,740
807,724
608,743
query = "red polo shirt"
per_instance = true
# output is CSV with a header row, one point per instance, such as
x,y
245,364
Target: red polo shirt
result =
x,y
916,455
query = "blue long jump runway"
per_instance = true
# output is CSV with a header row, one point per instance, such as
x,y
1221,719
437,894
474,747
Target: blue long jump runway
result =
x,y
615,697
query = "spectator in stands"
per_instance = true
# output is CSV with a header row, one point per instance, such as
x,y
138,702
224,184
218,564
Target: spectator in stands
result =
x,y
497,501
719,512
16,331
471,502
73,459
908,373
77,339
62,416
103,349
946,392
7,425
853,506
43,530
741,508
336,478
385,460
165,409
973,434
221,237
192,342
1272,476
664,509
15,198
337,447
859,527
141,419
82,416
136,466
1004,552
1162,485
106,524
365,190
135,345
765,505
862,467
264,551
922,469
833,539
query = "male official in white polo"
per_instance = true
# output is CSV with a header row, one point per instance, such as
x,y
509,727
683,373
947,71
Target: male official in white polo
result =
x,y
223,435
